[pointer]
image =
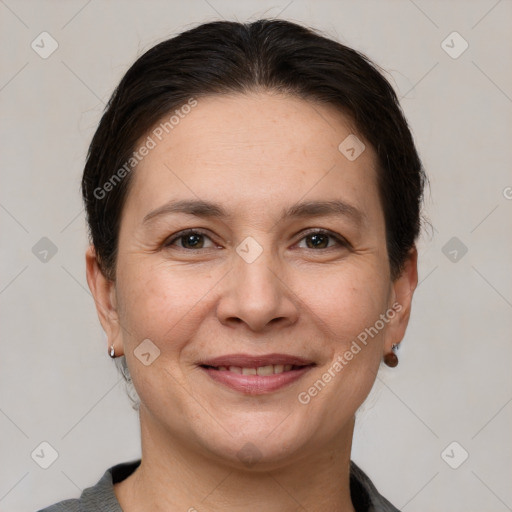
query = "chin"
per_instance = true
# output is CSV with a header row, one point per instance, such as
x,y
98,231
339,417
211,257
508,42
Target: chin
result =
x,y
261,443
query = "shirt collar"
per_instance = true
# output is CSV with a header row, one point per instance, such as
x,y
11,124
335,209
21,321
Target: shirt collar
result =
x,y
101,497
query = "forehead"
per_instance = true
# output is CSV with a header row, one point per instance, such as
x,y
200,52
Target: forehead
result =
x,y
258,149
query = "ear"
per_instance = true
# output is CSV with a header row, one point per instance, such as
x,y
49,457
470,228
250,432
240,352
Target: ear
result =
x,y
401,299
103,292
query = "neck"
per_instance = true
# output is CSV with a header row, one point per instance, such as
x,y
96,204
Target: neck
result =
x,y
179,477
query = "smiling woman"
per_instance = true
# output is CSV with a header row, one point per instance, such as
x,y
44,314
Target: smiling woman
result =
x,y
253,268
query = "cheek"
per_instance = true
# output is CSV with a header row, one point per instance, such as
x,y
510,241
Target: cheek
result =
x,y
347,300
347,305
166,303
159,301
162,304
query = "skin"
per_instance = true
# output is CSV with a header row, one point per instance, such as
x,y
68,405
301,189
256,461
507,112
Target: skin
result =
x,y
255,155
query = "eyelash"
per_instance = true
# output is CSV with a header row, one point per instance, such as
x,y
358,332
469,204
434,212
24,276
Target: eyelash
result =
x,y
340,240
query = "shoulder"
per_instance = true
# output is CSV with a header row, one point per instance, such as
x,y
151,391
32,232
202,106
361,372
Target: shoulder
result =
x,y
100,497
63,506
364,494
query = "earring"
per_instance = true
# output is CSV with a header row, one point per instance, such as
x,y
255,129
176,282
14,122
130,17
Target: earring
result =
x,y
112,351
391,359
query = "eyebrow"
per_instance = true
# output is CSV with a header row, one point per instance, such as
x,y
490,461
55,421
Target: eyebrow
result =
x,y
207,209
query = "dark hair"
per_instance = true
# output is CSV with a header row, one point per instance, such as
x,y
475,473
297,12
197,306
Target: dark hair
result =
x,y
229,57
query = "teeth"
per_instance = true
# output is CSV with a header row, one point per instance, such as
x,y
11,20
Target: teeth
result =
x,y
265,370
269,369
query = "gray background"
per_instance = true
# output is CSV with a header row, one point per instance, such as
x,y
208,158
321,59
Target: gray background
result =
x,y
453,383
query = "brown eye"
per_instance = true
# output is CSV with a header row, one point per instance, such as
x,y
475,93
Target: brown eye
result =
x,y
190,239
320,239
317,241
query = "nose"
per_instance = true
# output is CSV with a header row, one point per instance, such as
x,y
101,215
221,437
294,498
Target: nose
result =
x,y
258,295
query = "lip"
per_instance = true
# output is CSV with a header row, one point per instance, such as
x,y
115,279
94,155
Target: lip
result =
x,y
256,384
248,361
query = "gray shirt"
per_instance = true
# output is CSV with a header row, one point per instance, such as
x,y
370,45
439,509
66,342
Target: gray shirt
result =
x,y
101,497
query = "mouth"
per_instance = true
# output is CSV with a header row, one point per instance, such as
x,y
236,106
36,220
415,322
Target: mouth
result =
x,y
269,369
256,375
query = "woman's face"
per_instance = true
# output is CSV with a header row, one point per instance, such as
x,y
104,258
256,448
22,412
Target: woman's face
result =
x,y
286,264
